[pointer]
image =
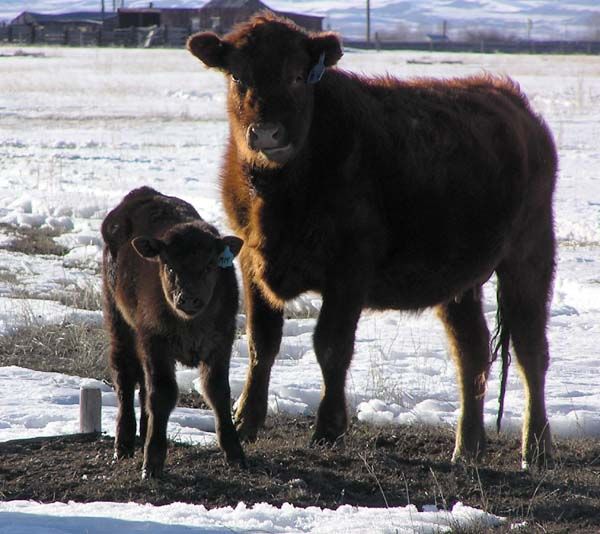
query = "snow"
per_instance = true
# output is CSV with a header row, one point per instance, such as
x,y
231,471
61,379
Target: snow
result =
x,y
179,518
81,127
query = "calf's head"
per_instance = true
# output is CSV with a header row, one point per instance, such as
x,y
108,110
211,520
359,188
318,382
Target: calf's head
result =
x,y
272,66
189,259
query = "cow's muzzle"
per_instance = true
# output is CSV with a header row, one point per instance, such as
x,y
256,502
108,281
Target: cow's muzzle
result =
x,y
188,304
266,135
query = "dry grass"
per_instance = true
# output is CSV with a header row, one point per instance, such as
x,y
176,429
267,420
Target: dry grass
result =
x,y
72,349
32,241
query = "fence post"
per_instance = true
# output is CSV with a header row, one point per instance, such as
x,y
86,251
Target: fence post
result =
x,y
90,410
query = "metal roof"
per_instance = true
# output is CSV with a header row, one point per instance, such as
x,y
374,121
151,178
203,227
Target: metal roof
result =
x,y
41,18
231,4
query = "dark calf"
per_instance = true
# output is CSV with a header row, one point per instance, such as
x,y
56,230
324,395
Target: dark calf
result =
x,y
387,194
170,294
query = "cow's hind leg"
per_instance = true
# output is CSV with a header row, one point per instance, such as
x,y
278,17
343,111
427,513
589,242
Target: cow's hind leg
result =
x,y
469,343
126,374
524,292
264,328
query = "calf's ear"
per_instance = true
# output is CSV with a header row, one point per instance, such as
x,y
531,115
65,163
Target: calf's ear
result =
x,y
147,247
234,243
210,49
327,44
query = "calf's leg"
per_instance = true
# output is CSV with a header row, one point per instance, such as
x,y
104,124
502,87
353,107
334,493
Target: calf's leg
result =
x,y
215,385
126,374
469,344
161,397
264,327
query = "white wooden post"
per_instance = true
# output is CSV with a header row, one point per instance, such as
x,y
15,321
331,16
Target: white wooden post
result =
x,y
90,410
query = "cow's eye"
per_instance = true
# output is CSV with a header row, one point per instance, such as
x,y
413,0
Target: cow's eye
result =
x,y
299,79
238,81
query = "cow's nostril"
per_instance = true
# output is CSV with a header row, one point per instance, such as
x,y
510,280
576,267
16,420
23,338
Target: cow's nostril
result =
x,y
265,135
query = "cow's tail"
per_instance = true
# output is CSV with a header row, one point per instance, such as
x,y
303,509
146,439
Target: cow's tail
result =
x,y
500,346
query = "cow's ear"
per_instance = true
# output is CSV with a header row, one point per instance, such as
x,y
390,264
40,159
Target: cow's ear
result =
x,y
148,248
327,44
234,243
209,48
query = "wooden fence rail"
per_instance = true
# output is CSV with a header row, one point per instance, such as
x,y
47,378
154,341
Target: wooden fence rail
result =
x,y
175,37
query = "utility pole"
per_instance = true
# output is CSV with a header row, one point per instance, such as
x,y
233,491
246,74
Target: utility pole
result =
x,y
368,21
102,8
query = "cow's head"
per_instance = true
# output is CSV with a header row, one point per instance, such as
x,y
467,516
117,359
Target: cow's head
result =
x,y
272,66
189,259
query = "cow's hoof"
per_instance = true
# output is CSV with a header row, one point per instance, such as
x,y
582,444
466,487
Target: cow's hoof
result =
x,y
149,472
123,452
467,458
236,460
246,432
539,462
327,439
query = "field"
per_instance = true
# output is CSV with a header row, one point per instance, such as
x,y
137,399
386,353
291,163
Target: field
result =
x,y
80,127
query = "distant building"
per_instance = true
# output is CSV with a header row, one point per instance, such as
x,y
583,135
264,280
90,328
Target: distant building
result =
x,y
154,16
437,38
221,15
81,20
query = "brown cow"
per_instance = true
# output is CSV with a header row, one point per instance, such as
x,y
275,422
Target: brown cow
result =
x,y
170,293
386,194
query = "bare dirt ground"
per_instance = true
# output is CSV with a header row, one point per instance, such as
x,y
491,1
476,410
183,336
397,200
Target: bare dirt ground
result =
x,y
377,467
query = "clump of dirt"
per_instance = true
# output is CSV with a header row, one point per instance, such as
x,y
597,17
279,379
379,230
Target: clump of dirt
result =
x,y
376,467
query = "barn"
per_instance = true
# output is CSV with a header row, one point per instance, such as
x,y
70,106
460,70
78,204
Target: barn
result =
x,y
76,29
80,20
221,15
166,17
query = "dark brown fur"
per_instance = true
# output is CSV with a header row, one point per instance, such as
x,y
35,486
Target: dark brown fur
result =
x,y
386,194
167,300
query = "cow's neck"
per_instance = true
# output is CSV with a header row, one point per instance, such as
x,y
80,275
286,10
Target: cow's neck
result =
x,y
280,183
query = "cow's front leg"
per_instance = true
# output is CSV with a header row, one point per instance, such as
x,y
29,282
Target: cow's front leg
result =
x,y
264,326
161,397
334,346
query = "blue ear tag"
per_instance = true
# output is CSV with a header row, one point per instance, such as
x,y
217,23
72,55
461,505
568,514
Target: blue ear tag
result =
x,y
226,258
316,73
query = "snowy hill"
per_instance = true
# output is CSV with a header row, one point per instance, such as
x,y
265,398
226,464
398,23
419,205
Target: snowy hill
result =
x,y
550,19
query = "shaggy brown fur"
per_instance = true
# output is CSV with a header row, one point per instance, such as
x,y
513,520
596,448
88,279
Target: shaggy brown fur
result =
x,y
166,300
387,194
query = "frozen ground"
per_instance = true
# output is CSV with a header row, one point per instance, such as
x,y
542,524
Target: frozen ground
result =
x,y
80,127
